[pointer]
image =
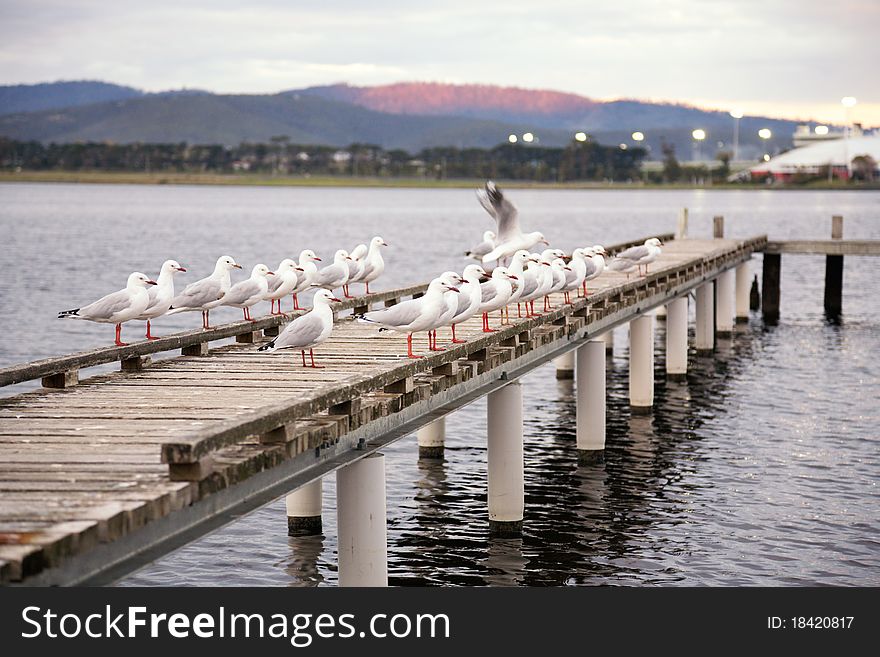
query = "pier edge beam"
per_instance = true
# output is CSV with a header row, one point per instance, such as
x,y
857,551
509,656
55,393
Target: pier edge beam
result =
x,y
833,297
506,484
432,439
704,338
304,510
591,410
742,293
361,518
677,339
641,364
608,338
724,304
770,277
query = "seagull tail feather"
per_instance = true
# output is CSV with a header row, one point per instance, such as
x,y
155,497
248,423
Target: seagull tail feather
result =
x,y
268,346
69,313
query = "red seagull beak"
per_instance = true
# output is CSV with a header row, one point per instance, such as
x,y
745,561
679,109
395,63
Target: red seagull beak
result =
x,y
335,299
237,266
270,273
567,268
385,244
317,258
453,289
348,257
299,269
152,283
516,278
181,269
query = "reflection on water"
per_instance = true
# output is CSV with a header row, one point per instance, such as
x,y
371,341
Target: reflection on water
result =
x,y
759,469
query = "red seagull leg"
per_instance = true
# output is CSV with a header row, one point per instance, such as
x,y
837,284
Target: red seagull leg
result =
x,y
486,328
454,339
296,303
519,310
312,355
149,336
303,353
119,342
367,285
409,351
435,347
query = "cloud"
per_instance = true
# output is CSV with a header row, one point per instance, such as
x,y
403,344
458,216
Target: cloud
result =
x,y
770,50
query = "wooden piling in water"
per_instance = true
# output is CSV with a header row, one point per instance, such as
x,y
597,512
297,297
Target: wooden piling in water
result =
x,y
770,283
755,295
718,227
834,273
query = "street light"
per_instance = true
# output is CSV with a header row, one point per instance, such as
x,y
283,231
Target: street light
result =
x,y
699,135
737,114
821,130
580,136
765,133
528,137
638,136
512,139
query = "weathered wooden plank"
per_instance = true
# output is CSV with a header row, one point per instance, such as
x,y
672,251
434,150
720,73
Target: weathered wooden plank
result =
x,y
825,247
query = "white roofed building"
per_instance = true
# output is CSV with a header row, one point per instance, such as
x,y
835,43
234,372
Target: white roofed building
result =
x,y
838,154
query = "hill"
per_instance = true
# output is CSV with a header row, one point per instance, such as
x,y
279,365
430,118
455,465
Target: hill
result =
x,y
232,119
56,95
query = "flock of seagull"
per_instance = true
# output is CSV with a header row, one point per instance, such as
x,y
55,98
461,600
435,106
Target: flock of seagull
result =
x,y
519,276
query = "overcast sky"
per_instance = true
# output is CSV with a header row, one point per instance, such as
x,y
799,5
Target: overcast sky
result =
x,y
793,58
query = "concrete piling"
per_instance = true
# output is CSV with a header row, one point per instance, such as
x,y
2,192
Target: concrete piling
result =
x,y
565,366
505,461
641,364
304,510
770,287
677,339
742,293
432,439
705,333
591,402
360,511
724,304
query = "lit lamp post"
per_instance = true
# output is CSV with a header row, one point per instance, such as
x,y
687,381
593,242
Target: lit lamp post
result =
x,y
737,114
699,135
765,134
528,137
848,103
638,137
580,136
512,139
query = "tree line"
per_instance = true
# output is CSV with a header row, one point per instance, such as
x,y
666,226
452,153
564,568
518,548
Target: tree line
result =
x,y
587,161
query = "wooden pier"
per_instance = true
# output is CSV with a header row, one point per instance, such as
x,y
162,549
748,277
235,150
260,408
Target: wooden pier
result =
x,y
101,475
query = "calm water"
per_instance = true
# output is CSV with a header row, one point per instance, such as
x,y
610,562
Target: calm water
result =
x,y
760,470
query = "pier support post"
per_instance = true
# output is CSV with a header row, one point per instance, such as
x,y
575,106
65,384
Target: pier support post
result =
x,y
360,512
742,293
681,230
591,402
718,227
677,339
432,439
770,287
505,460
565,366
608,338
834,273
304,510
724,304
641,364
705,333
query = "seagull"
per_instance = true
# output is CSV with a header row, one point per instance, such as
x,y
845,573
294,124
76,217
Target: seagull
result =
x,y
335,275
282,283
510,238
524,279
577,272
483,247
595,263
470,299
413,316
374,264
206,293
249,292
307,331
356,267
557,281
117,307
559,270
309,269
161,295
495,294
531,278
636,256
450,297
544,279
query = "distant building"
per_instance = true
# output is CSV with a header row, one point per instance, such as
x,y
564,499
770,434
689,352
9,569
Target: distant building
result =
x,y
829,156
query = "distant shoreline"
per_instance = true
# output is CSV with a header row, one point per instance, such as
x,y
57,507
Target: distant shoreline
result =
x,y
251,180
